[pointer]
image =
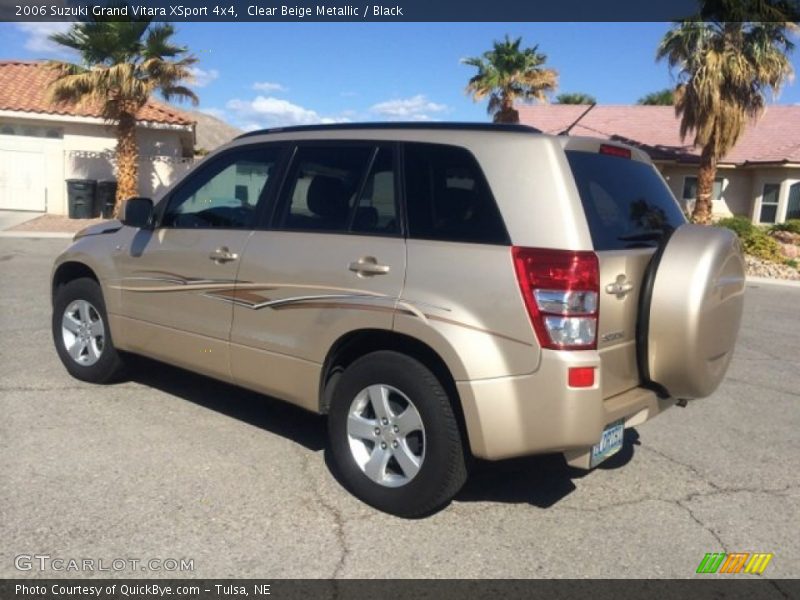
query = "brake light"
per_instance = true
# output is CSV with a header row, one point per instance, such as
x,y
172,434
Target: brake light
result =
x,y
561,292
615,151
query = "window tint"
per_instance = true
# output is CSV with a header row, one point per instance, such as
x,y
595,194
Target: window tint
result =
x,y
321,188
225,193
627,204
376,212
448,197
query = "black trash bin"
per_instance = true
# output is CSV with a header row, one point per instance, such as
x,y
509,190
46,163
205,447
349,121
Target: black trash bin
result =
x,y
106,197
80,197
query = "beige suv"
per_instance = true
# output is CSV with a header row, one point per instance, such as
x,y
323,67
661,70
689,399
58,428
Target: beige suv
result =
x,y
439,291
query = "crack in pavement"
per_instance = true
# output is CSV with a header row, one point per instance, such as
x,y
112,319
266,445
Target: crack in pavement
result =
x,y
34,388
683,502
338,520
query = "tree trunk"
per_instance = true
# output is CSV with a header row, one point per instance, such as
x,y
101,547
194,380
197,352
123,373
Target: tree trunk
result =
x,y
705,185
507,112
127,160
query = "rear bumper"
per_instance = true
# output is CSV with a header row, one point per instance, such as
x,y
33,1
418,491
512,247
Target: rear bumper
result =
x,y
539,413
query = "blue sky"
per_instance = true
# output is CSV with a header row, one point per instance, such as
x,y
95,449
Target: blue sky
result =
x,y
269,74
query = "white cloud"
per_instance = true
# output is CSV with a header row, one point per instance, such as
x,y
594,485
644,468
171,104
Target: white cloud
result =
x,y
269,87
266,111
38,38
201,77
416,108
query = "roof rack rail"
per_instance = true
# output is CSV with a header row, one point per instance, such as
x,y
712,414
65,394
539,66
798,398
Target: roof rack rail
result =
x,y
447,126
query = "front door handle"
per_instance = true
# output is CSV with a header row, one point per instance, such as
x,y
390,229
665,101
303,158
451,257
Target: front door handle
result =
x,y
223,255
367,266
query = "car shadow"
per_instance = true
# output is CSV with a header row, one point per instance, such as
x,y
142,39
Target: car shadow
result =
x,y
540,481
283,419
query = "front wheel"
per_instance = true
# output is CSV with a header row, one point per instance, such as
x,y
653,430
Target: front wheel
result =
x,y
394,438
81,332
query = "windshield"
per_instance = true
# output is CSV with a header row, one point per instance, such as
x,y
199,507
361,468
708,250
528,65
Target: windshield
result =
x,y
627,204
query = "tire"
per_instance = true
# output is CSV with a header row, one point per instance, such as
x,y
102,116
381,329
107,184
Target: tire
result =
x,y
435,446
691,308
96,360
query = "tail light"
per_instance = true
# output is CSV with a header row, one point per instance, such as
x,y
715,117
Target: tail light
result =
x,y
561,291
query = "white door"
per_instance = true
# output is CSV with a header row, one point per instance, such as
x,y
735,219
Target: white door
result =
x,y
22,180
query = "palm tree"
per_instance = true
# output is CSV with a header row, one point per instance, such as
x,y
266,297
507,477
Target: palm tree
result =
x,y
665,97
576,98
508,73
122,64
725,69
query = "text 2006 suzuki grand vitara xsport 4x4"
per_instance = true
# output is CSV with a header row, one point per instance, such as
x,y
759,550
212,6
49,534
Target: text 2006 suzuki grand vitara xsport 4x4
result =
x,y
439,291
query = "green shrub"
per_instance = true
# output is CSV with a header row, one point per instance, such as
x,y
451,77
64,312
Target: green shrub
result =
x,y
791,263
792,225
755,240
741,226
760,245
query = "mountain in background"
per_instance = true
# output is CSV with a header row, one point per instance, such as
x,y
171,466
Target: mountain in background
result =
x,y
211,132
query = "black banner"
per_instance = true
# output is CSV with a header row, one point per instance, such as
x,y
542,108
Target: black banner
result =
x,y
717,587
395,10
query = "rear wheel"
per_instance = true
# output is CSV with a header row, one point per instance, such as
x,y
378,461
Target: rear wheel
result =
x,y
394,439
81,333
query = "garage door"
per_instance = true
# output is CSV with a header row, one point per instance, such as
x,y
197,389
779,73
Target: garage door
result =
x,y
22,180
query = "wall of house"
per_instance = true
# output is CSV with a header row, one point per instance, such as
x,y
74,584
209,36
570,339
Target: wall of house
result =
x,y
786,177
742,190
737,189
85,151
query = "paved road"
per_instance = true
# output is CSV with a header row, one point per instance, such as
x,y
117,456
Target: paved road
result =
x,y
172,465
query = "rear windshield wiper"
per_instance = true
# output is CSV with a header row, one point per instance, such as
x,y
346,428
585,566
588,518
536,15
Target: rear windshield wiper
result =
x,y
643,236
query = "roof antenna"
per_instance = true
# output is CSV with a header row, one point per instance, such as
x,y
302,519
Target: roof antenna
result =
x,y
578,120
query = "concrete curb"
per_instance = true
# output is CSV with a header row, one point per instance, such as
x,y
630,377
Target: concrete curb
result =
x,y
768,281
36,234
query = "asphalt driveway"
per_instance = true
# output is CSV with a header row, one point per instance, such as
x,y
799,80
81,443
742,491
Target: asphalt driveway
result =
x,y
173,465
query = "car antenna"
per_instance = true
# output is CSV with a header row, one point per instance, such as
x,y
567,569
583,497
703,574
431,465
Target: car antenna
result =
x,y
576,121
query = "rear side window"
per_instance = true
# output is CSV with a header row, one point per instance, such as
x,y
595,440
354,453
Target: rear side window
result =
x,y
448,197
627,204
340,189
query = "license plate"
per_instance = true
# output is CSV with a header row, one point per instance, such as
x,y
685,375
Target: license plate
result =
x,y
610,442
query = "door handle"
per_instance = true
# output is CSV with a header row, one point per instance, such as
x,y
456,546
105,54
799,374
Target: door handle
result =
x,y
367,266
223,255
620,287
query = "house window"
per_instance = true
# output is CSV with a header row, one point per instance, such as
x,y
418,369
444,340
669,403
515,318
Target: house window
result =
x,y
769,203
793,205
690,188
7,130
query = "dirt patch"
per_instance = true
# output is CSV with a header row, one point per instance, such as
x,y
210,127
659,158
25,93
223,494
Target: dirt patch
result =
x,y
55,224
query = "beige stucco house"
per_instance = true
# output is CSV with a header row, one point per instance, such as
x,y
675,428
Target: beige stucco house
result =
x,y
42,144
760,177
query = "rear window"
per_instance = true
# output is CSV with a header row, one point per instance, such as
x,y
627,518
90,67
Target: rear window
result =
x,y
627,204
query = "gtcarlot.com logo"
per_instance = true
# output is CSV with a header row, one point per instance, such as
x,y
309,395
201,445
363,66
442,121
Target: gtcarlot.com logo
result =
x,y
45,562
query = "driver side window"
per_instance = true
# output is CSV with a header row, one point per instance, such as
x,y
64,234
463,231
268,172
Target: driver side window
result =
x,y
224,195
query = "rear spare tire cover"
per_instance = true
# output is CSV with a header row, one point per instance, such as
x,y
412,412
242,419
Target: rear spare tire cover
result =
x,y
695,310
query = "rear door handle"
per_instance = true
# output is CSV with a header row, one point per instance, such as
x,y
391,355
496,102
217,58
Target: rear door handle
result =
x,y
620,287
223,255
367,266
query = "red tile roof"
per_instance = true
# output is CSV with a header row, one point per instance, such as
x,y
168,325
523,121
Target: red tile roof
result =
x,y
775,138
23,87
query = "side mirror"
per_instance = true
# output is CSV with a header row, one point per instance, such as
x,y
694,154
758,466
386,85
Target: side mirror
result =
x,y
138,212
